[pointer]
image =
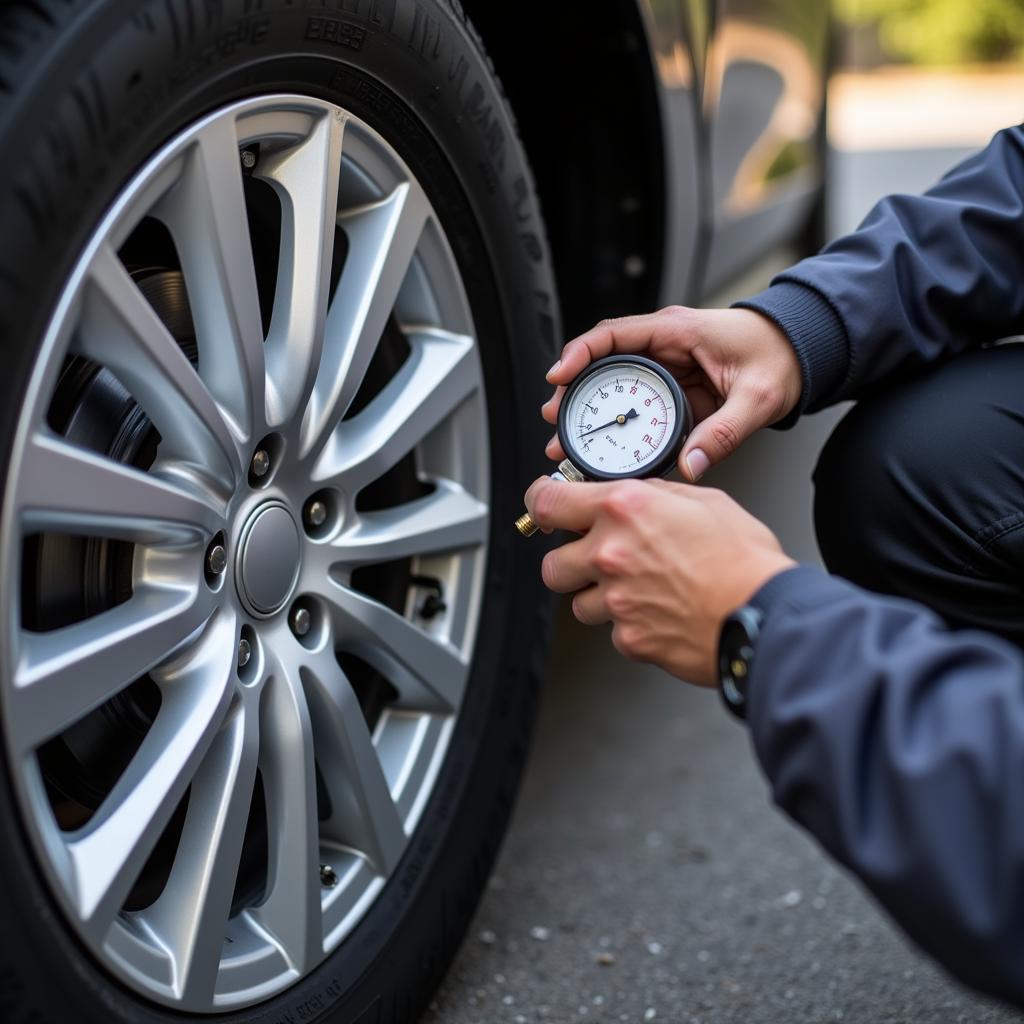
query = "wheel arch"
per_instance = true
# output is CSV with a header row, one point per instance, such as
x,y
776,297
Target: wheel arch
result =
x,y
581,86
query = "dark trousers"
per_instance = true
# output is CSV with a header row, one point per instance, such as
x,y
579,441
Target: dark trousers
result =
x,y
919,493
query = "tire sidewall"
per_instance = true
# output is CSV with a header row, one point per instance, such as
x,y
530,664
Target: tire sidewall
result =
x,y
141,73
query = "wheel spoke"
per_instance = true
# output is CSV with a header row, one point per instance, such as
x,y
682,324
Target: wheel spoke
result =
x,y
364,815
291,912
191,914
428,672
436,378
305,178
206,215
121,330
382,238
108,854
65,488
62,675
450,519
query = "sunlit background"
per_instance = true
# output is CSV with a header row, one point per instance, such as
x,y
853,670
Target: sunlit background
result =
x,y
919,84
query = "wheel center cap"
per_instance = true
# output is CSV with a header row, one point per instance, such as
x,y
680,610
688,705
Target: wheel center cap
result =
x,y
268,562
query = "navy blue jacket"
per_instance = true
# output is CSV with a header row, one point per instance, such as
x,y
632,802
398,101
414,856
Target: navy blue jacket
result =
x,y
898,743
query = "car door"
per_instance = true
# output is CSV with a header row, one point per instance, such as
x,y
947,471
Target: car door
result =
x,y
763,102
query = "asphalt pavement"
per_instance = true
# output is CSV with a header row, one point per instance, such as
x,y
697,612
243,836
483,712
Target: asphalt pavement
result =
x,y
646,876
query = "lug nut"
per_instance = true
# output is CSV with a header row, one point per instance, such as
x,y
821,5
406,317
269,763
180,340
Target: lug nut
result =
x,y
261,463
244,652
248,159
328,876
216,559
316,513
301,621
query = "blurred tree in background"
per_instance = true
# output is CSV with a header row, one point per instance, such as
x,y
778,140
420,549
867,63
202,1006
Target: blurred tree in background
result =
x,y
941,31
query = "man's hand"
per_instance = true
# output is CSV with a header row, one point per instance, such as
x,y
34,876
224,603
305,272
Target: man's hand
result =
x,y
738,370
665,563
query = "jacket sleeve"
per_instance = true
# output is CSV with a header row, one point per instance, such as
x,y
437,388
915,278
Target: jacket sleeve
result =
x,y
900,746
922,277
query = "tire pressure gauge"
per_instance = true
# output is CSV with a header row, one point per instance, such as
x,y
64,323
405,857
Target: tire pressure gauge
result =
x,y
623,418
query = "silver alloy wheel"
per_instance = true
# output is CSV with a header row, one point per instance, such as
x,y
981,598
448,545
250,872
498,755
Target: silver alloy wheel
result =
x,y
244,658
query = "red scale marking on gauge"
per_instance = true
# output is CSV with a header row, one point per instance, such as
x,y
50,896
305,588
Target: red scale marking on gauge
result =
x,y
652,412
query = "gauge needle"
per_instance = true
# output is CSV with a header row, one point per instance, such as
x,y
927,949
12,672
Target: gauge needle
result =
x,y
620,420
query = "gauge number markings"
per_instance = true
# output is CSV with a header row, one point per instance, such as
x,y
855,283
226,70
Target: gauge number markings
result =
x,y
657,424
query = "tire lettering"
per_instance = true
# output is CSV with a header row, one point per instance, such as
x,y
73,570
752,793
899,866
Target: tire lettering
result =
x,y
521,199
458,68
426,38
482,114
245,32
376,13
532,246
333,30
425,35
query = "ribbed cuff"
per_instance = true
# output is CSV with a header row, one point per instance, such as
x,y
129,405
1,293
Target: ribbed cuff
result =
x,y
816,333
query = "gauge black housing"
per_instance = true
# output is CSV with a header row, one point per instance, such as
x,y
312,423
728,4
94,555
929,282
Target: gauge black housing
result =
x,y
666,458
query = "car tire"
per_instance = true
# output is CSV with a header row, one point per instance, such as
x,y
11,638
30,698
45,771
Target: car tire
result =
x,y
89,93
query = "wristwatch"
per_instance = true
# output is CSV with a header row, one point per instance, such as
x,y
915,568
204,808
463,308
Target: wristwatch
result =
x,y
736,647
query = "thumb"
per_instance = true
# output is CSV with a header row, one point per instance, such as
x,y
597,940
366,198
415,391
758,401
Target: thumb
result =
x,y
718,436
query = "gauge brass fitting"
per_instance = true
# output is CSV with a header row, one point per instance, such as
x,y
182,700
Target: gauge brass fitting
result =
x,y
567,473
525,525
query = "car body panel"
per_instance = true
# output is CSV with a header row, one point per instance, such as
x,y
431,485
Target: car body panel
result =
x,y
677,43
741,85
765,80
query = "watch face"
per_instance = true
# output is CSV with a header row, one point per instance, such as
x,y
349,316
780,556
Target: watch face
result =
x,y
736,655
624,417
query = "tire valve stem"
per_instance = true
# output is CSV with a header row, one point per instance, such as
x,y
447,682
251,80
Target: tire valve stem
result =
x,y
567,473
434,603
328,876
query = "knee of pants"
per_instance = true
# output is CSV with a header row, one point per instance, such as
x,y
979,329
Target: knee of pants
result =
x,y
920,491
856,504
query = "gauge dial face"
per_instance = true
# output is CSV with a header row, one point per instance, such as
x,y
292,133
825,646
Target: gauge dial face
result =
x,y
619,420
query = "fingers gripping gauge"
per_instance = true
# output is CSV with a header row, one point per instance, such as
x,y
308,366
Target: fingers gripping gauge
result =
x,y
623,418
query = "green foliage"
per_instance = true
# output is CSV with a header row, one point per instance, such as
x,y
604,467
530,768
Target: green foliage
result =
x,y
942,31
